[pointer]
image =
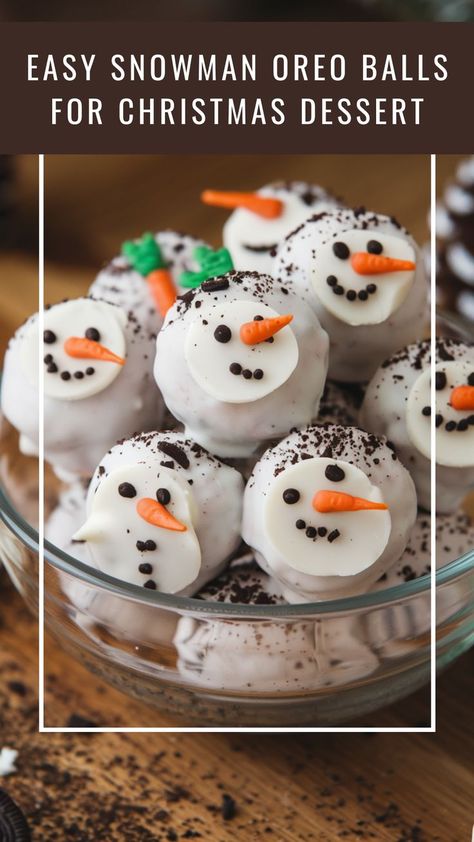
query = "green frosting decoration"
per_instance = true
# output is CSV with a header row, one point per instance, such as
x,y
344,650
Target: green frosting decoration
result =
x,y
144,254
212,263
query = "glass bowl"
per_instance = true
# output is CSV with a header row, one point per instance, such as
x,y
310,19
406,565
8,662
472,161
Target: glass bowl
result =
x,y
215,664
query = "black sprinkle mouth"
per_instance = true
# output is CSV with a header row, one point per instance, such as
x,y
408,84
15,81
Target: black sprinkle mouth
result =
x,y
259,249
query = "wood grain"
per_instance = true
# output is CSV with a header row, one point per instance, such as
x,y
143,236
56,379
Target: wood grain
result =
x,y
384,787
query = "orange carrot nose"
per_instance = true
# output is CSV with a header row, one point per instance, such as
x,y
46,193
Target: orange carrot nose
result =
x,y
254,332
88,349
337,501
264,206
377,264
156,514
162,288
462,397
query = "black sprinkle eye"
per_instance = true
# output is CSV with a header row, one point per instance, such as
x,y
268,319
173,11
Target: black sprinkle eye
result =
x,y
92,333
258,318
334,473
470,379
439,420
223,333
374,247
426,411
440,380
163,496
49,337
341,250
291,495
126,489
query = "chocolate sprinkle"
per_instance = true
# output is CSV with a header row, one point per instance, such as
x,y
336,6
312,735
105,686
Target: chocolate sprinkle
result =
x,y
145,568
174,451
291,496
235,368
49,337
440,380
334,473
215,285
333,535
93,334
341,250
222,333
126,489
163,496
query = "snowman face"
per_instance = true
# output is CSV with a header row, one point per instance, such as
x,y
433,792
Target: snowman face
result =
x,y
454,413
83,348
362,277
230,369
140,528
250,233
325,518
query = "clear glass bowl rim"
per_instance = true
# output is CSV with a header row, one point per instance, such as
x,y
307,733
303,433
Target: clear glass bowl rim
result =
x,y
29,536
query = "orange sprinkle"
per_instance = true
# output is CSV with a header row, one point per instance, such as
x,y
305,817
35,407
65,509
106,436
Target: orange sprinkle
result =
x,y
462,397
264,206
251,333
155,513
377,264
87,349
337,501
162,288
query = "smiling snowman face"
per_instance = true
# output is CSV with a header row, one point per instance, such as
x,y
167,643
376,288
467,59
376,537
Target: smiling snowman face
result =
x,y
326,518
83,348
454,414
362,277
140,528
240,351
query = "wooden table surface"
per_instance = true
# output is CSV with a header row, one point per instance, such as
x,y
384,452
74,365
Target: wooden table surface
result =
x,y
167,787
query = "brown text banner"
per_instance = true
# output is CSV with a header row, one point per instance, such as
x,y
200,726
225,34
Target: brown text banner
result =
x,y
236,87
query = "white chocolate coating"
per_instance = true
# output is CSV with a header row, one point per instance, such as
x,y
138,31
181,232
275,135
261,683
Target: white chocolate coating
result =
x,y
93,609
205,495
79,429
391,628
356,555
394,404
264,655
252,239
363,331
236,428
119,283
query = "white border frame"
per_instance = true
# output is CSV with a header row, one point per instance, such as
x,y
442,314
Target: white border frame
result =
x,y
195,729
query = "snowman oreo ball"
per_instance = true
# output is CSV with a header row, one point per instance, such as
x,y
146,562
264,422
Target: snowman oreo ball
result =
x,y
327,511
98,383
265,655
136,285
162,513
398,404
364,276
239,361
261,220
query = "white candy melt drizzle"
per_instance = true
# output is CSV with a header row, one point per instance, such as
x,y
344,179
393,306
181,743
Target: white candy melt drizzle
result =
x,y
269,363
361,299
117,535
71,378
346,542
